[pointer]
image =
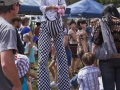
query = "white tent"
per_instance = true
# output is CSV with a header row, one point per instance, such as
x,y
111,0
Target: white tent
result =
x,y
118,9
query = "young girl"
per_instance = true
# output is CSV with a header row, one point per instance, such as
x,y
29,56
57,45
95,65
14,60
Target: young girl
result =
x,y
29,52
52,65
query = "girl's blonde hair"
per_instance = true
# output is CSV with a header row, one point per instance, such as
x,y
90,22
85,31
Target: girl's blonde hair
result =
x,y
28,36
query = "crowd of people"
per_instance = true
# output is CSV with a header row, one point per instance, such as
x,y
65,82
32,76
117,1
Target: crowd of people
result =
x,y
71,50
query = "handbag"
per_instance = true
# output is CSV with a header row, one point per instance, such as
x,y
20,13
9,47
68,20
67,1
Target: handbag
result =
x,y
107,49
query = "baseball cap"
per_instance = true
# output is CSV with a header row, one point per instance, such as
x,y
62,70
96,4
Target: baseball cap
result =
x,y
22,65
8,2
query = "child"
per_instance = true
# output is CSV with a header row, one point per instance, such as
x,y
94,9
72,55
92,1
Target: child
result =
x,y
53,64
22,65
88,76
29,52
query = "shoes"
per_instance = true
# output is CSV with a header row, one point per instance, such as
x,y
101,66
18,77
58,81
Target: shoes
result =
x,y
31,80
53,84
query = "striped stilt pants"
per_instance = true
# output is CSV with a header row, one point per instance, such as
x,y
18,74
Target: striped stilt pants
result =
x,y
43,54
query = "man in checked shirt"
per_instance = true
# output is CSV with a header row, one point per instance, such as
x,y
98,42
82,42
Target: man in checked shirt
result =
x,y
88,76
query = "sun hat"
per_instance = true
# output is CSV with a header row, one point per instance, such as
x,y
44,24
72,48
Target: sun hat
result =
x,y
22,65
8,2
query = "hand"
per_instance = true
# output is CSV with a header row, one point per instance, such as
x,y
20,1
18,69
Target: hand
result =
x,y
16,88
54,7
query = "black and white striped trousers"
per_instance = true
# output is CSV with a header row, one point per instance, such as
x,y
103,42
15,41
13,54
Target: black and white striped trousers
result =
x,y
43,54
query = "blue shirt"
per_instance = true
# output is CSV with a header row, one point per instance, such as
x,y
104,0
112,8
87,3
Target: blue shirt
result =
x,y
24,31
89,31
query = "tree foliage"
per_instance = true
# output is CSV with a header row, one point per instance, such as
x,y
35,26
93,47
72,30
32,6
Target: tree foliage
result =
x,y
115,2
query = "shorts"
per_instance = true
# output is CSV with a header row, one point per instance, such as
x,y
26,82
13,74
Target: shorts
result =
x,y
73,48
69,57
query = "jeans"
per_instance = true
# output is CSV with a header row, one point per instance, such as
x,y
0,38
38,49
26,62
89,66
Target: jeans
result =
x,y
90,45
69,57
110,71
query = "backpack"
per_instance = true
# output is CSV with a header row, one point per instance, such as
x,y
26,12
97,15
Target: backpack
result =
x,y
107,49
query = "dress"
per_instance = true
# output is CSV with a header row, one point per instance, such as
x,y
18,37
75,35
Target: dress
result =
x,y
31,55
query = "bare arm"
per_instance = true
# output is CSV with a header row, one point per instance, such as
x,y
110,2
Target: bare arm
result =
x,y
9,68
74,37
65,41
31,36
94,47
44,7
29,47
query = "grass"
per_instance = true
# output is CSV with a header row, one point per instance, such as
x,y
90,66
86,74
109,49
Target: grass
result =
x,y
35,82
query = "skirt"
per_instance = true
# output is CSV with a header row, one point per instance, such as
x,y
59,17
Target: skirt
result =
x,y
73,48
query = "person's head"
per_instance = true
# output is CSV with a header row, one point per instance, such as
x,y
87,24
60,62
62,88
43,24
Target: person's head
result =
x,y
38,24
83,24
16,22
25,21
110,9
92,22
9,7
22,64
72,25
26,37
88,59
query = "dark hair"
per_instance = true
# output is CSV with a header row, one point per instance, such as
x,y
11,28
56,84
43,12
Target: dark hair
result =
x,y
16,19
24,20
81,22
108,11
5,9
88,58
72,22
38,23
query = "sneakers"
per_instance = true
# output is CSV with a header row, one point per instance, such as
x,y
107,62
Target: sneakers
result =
x,y
53,84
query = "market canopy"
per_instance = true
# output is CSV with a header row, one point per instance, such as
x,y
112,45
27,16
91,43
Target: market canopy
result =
x,y
86,8
32,7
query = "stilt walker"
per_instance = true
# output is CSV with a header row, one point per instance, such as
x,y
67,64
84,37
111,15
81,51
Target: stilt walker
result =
x,y
51,27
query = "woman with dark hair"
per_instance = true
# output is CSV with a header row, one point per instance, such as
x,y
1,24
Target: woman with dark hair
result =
x,y
73,46
110,69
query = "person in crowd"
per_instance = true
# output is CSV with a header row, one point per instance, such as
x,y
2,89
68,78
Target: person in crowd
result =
x,y
88,76
16,22
52,65
29,52
88,29
9,79
93,23
37,29
51,27
82,39
25,28
73,46
68,51
110,69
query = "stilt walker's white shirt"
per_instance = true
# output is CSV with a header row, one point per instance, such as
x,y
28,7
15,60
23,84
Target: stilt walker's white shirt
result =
x,y
51,14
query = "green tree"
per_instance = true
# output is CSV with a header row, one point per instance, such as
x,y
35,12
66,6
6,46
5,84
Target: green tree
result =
x,y
71,1
115,2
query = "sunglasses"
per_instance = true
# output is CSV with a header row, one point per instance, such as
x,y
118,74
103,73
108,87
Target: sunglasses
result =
x,y
18,4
